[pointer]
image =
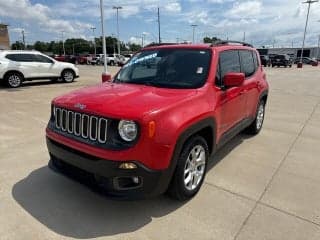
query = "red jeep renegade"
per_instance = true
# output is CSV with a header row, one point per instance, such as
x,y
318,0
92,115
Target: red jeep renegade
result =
x,y
155,126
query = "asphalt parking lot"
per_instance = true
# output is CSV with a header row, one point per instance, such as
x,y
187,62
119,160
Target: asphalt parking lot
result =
x,y
263,187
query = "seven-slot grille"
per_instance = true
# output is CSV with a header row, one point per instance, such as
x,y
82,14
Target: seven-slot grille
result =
x,y
81,125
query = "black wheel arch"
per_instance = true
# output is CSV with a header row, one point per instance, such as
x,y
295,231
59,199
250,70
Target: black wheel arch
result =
x,y
264,96
13,71
205,128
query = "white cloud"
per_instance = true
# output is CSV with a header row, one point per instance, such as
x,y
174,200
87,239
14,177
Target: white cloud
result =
x,y
173,7
245,9
39,15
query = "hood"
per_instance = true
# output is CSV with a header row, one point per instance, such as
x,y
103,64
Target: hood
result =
x,y
128,101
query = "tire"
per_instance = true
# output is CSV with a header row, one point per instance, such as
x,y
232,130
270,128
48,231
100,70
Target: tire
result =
x,y
67,76
272,65
180,187
14,79
257,124
111,63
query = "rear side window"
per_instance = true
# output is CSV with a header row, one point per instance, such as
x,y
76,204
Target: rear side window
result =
x,y
20,57
42,59
247,63
255,59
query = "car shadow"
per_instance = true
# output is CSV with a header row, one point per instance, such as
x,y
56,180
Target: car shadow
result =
x,y
226,149
73,210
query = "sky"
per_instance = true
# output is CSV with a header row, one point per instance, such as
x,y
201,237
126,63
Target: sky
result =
x,y
264,22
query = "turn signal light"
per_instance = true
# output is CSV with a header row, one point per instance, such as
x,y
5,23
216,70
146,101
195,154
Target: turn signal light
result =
x,y
128,166
152,129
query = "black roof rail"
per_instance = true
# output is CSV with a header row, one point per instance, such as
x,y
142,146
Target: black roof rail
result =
x,y
226,42
161,44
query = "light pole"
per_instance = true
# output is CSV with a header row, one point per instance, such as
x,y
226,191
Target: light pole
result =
x,y
94,40
159,33
117,8
106,76
64,50
113,42
309,2
23,39
193,29
318,47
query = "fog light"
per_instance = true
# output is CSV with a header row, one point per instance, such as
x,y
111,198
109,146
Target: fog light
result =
x,y
128,166
135,180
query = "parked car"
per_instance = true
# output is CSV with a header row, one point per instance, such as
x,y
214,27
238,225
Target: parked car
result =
x,y
113,59
281,60
84,59
154,127
265,60
305,60
127,57
19,66
95,61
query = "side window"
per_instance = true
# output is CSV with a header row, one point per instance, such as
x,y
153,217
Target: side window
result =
x,y
247,63
229,61
42,59
24,58
255,59
12,57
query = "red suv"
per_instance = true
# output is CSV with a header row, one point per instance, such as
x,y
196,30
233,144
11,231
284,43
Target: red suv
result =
x,y
154,127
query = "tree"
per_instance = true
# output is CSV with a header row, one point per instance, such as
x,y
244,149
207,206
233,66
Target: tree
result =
x,y
41,46
17,46
134,47
210,40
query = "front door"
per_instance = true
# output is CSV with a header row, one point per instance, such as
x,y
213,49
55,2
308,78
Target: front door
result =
x,y
231,101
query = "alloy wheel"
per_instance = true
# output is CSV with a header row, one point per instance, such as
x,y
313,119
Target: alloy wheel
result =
x,y
195,167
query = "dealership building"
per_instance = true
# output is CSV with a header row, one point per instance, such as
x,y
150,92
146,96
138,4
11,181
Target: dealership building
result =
x,y
4,37
312,52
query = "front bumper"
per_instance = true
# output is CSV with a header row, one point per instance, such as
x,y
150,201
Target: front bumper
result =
x,y
106,174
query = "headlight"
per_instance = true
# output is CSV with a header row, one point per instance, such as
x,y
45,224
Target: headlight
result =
x,y
128,130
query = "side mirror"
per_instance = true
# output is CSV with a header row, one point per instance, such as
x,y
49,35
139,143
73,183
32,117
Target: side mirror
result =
x,y
233,79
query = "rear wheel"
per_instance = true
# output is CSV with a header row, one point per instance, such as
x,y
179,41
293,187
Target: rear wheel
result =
x,y
191,169
256,125
67,76
14,80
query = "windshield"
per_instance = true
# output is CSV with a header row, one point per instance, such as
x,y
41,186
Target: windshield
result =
x,y
167,68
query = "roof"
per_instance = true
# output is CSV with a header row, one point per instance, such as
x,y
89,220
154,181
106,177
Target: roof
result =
x,y
221,43
19,51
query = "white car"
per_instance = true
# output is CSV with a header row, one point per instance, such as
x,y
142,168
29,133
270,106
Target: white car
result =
x,y
19,66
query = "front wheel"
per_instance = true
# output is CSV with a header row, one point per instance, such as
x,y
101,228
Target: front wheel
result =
x,y
67,76
191,169
256,125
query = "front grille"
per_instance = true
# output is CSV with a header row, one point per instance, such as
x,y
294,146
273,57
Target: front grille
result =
x,y
81,125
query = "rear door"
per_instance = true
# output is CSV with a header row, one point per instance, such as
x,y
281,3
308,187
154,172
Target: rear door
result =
x,y
231,103
24,62
250,68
